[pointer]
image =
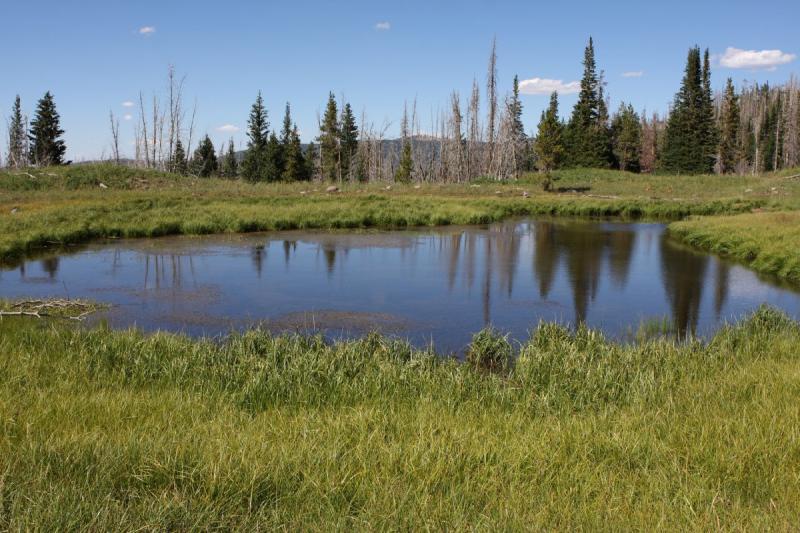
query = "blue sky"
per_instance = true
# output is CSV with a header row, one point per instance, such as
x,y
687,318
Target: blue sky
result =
x,y
95,55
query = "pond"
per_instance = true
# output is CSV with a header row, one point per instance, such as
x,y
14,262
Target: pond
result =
x,y
429,286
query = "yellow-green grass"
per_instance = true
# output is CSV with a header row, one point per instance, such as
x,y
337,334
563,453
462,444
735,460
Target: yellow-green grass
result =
x,y
767,242
104,430
67,205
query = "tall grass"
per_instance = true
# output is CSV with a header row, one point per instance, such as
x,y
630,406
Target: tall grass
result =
x,y
117,430
66,205
767,242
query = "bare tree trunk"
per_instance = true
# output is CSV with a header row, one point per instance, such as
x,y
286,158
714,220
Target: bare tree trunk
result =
x,y
114,136
491,98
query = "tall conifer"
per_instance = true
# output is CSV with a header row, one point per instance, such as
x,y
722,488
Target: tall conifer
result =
x,y
47,146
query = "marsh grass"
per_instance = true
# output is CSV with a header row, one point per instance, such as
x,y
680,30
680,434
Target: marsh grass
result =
x,y
116,430
766,242
66,206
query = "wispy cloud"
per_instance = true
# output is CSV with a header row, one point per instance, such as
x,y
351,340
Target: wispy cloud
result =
x,y
127,116
383,26
228,128
147,30
755,59
547,86
127,103
633,74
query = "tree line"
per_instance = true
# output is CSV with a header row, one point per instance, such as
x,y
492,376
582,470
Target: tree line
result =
x,y
755,130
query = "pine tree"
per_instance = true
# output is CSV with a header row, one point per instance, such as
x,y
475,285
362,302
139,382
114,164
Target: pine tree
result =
x,y
626,131
254,165
230,166
689,145
586,136
549,143
517,128
204,161
17,138
273,170
329,142
47,147
729,131
348,141
179,165
311,158
294,163
406,168
708,127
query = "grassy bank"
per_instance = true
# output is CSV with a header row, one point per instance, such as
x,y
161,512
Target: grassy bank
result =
x,y
767,242
115,430
62,206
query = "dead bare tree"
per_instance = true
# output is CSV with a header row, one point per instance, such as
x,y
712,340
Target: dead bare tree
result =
x,y
491,102
474,142
114,136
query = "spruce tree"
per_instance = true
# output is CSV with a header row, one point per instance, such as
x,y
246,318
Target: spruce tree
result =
x,y
254,165
348,141
586,136
47,147
294,162
230,166
708,127
204,161
626,131
311,158
729,131
406,168
689,142
329,142
549,143
17,138
517,132
273,170
179,165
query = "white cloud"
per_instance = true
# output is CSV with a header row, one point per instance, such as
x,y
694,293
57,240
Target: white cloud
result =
x,y
228,128
147,30
127,103
755,59
383,26
547,86
127,116
633,74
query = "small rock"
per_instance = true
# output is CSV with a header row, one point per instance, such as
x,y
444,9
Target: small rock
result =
x,y
103,185
417,186
388,187
332,188
774,189
748,190
303,192
475,186
14,210
497,192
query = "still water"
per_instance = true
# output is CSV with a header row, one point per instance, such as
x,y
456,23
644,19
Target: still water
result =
x,y
428,286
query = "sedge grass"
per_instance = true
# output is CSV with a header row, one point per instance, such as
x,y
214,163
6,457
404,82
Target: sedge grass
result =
x,y
118,430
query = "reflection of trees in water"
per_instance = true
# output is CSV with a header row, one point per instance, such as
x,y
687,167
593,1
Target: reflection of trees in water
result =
x,y
721,287
620,252
50,266
330,258
167,271
582,247
545,256
683,273
288,248
258,254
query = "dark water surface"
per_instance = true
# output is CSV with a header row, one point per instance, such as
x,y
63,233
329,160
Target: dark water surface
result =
x,y
440,285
